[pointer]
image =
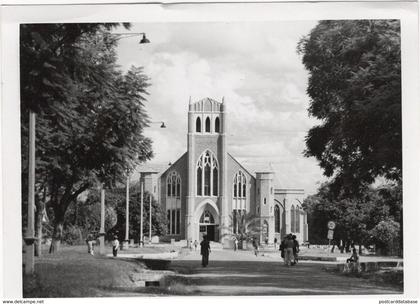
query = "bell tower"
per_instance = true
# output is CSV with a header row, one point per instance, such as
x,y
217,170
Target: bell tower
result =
x,y
206,140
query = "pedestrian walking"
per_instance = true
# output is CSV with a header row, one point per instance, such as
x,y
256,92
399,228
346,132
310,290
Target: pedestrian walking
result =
x,y
275,243
354,257
295,250
236,245
255,245
282,248
205,251
288,251
195,245
115,246
90,243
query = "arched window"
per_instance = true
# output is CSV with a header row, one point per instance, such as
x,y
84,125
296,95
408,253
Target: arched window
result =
x,y
215,181
208,124
297,219
178,187
207,175
198,125
277,219
292,219
173,207
206,218
173,185
239,185
217,125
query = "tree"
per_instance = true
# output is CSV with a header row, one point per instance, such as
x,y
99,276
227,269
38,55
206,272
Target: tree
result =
x,y
355,89
244,227
84,215
355,217
90,116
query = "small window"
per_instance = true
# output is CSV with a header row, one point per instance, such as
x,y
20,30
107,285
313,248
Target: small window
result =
x,y
178,221
198,125
208,125
217,125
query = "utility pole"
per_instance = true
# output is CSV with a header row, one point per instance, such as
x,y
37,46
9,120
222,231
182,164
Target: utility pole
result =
x,y
30,237
127,206
141,211
150,218
102,230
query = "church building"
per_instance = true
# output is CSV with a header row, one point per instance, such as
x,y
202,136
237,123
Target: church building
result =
x,y
206,191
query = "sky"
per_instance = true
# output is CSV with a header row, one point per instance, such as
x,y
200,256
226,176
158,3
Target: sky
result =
x,y
254,66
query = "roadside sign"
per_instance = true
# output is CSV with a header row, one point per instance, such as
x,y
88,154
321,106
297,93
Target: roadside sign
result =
x,y
331,225
330,235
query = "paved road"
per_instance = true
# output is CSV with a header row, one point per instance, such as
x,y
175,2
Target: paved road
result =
x,y
241,273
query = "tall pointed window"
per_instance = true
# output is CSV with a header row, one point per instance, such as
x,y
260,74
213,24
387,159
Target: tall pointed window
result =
x,y
239,185
207,175
208,124
217,125
198,125
173,203
277,219
297,219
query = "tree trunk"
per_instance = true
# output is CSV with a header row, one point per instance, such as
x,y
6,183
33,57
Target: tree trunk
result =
x,y
56,239
58,229
39,214
38,230
360,249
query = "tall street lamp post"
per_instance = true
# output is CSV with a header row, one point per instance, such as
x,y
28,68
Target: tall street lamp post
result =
x,y
102,229
141,211
141,243
127,213
150,218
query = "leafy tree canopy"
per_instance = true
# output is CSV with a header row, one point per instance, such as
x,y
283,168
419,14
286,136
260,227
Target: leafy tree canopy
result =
x,y
355,89
90,115
355,217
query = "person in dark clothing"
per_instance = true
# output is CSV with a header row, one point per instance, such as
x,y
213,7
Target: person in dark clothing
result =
x,y
295,250
354,257
205,251
255,245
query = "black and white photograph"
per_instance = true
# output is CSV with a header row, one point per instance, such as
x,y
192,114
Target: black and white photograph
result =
x,y
235,157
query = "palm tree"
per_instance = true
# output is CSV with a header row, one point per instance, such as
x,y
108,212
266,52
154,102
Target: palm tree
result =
x,y
244,227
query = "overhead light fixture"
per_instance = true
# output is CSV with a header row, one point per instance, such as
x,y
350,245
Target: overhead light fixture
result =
x,y
144,39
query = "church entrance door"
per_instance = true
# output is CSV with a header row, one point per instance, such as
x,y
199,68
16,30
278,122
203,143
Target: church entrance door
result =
x,y
211,230
209,227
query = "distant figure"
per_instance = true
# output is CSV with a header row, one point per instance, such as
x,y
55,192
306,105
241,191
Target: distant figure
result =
x,y
255,245
266,241
195,245
295,250
282,248
275,243
354,257
236,245
288,251
90,241
115,246
205,251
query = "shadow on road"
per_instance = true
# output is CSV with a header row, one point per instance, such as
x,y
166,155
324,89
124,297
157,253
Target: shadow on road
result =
x,y
271,278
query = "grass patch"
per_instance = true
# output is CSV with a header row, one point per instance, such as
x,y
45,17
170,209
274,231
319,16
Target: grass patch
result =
x,y
74,273
392,277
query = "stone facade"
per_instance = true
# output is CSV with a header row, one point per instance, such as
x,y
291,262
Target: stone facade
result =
x,y
206,189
